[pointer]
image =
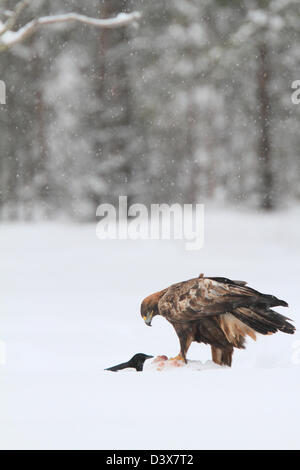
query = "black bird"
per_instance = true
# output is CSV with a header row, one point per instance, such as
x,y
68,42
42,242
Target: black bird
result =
x,y
136,362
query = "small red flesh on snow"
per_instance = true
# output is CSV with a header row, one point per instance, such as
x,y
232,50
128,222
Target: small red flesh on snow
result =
x,y
160,358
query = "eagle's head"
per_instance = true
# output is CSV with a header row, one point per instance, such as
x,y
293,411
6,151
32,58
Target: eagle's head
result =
x,y
149,307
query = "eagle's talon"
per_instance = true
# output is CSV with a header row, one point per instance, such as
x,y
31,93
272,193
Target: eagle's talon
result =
x,y
177,358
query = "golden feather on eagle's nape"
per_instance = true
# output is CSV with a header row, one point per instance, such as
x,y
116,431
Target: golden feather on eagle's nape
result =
x,y
216,311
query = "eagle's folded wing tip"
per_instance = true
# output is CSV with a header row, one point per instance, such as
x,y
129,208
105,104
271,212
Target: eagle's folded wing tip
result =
x,y
241,283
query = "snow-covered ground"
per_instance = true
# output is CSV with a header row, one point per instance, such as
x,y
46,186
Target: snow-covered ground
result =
x,y
70,307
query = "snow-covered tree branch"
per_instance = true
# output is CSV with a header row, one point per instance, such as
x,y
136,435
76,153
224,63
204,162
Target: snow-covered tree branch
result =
x,y
9,38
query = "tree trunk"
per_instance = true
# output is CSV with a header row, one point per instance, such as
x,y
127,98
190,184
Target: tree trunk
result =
x,y
114,90
189,151
264,142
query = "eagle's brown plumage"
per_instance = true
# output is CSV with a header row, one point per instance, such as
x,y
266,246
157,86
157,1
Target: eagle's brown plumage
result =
x,y
216,311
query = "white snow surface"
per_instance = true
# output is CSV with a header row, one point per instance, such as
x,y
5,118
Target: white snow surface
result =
x,y
70,307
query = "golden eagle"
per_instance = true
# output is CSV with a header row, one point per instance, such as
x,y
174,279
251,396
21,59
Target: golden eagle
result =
x,y
216,311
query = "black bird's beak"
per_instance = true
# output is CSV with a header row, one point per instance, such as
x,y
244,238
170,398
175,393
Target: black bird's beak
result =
x,y
148,318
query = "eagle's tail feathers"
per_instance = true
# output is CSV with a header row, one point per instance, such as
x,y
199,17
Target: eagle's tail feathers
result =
x,y
264,320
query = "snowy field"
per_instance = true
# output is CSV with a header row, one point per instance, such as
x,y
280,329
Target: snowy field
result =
x,y
70,307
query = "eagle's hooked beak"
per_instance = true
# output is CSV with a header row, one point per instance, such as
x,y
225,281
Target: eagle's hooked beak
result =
x,y
148,318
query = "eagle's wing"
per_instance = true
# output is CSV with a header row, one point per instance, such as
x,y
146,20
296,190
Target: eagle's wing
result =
x,y
203,296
